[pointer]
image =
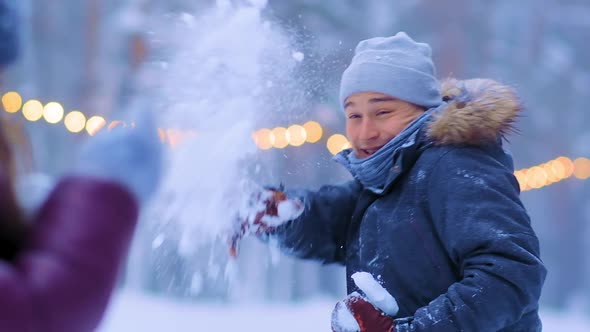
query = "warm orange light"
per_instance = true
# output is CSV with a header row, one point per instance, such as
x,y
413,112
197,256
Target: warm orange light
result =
x,y
75,121
95,124
337,143
536,177
558,169
521,178
174,137
551,175
314,131
278,137
262,138
296,135
582,168
12,102
116,123
162,135
33,110
568,164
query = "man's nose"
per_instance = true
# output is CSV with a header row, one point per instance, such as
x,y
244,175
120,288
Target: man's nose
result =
x,y
369,130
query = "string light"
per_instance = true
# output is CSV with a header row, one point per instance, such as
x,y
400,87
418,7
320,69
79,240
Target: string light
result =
x,y
279,138
53,112
314,131
75,121
534,177
337,143
12,102
95,124
296,135
262,138
33,110
553,171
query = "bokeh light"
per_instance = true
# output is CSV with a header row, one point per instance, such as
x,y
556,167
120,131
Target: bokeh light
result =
x,y
75,121
33,110
278,137
116,123
314,131
262,138
12,102
337,143
582,168
296,135
53,112
95,124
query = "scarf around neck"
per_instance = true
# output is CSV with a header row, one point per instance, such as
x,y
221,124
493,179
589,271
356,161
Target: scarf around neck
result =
x,y
372,172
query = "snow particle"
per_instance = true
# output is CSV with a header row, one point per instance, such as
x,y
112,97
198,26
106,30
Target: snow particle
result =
x,y
187,19
158,241
298,56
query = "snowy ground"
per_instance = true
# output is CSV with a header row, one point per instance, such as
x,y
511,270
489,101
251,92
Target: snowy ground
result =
x,y
140,312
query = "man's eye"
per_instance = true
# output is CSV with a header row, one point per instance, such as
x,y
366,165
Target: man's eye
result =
x,y
384,112
354,116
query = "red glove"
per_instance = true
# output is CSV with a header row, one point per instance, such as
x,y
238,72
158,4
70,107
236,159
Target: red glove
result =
x,y
269,209
356,314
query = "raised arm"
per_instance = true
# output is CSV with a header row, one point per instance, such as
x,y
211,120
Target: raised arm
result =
x,y
320,232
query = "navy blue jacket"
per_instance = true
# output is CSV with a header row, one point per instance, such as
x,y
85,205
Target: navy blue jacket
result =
x,y
8,32
449,238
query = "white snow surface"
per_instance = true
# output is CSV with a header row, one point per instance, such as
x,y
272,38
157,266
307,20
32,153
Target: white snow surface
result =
x,y
375,293
132,311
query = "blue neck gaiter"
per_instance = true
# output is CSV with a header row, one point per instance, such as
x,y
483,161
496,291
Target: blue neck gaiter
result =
x,y
372,172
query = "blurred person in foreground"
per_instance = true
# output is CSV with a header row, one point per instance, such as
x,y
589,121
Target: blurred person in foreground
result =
x,y
59,261
433,212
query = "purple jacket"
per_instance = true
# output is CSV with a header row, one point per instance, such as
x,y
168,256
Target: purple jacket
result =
x,y
63,278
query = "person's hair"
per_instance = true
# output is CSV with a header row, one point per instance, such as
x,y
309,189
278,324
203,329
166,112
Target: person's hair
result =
x,y
13,226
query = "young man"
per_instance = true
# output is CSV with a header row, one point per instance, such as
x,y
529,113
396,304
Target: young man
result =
x,y
433,212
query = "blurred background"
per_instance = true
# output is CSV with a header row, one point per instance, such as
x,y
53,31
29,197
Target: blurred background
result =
x,y
81,61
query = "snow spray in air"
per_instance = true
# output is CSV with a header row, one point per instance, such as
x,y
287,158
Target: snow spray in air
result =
x,y
221,66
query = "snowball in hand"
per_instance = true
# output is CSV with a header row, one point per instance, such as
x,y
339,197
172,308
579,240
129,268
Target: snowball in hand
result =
x,y
287,210
375,293
343,318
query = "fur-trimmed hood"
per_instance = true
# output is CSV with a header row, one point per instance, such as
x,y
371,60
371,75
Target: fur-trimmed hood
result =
x,y
477,112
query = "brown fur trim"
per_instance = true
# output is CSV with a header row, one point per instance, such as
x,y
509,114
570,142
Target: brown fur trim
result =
x,y
478,111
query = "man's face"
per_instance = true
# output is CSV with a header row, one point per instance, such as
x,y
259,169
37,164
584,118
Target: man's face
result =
x,y
373,119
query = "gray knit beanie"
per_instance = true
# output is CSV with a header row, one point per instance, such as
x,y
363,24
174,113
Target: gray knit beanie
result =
x,y
396,66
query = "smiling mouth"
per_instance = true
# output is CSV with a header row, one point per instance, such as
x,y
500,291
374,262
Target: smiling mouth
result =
x,y
370,152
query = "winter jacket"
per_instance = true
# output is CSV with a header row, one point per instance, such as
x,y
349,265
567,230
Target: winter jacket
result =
x,y
449,238
62,279
8,32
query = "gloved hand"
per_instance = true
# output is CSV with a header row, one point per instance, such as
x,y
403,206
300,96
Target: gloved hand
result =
x,y
356,314
31,192
267,210
371,312
129,156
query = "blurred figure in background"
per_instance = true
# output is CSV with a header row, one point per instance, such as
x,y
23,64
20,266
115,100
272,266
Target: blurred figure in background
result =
x,y
60,261
8,34
433,212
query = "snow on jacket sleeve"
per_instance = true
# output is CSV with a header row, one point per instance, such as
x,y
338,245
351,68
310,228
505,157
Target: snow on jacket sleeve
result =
x,y
485,229
320,232
62,280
